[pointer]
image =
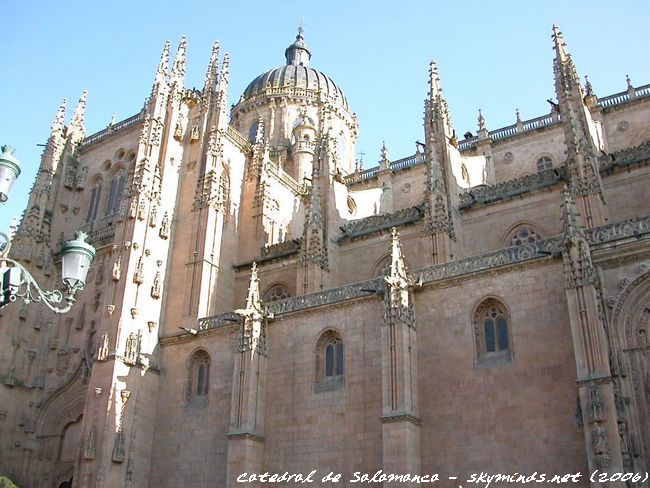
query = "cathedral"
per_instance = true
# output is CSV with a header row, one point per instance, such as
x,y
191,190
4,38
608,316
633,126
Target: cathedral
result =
x,y
262,306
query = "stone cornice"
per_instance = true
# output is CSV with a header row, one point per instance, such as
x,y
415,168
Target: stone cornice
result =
x,y
380,223
539,253
246,435
400,417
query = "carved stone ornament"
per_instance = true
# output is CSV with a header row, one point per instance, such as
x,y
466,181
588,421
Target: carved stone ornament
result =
x,y
165,226
132,348
138,274
102,349
117,268
155,289
380,223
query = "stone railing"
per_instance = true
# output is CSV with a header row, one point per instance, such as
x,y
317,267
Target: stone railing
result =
x,y
482,195
227,318
370,173
637,228
238,139
489,261
112,129
286,179
379,223
625,157
101,237
279,250
624,97
512,130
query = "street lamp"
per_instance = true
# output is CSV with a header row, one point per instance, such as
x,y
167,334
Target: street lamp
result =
x,y
16,281
9,171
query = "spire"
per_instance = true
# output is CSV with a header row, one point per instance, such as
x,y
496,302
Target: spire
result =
x,y
396,301
163,66
54,144
225,74
434,81
436,106
566,77
253,300
80,111
314,245
298,54
76,129
57,125
213,69
397,273
178,72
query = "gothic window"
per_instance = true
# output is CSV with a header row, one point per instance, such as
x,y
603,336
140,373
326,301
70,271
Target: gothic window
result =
x,y
544,163
198,377
492,332
278,291
252,132
95,196
115,193
330,361
522,234
382,268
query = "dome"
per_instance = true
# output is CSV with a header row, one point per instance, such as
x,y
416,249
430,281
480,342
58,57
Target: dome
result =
x,y
295,74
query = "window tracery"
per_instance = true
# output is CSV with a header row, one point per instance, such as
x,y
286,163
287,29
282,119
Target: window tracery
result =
x,y
198,376
277,291
544,163
330,361
492,332
95,197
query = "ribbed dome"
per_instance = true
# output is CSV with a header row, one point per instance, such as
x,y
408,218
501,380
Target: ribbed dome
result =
x,y
290,76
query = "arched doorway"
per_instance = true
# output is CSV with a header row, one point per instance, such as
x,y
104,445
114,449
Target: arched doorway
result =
x,y
630,334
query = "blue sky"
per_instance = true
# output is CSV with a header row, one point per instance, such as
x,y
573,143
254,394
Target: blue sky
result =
x,y
495,56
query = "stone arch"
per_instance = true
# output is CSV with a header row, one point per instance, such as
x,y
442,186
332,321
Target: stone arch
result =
x,y
198,376
629,329
64,407
514,234
332,378
492,332
276,291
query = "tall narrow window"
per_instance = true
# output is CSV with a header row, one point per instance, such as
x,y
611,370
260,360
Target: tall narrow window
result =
x,y
492,332
198,377
330,362
95,196
115,193
544,163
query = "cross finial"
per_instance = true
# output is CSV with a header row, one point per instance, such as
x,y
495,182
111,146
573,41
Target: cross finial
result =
x,y
301,26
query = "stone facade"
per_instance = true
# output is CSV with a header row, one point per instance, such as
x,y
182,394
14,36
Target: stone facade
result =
x,y
259,302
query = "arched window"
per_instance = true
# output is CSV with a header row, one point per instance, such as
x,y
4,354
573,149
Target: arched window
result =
x,y
252,132
492,332
198,376
278,291
330,361
544,163
95,197
522,234
115,193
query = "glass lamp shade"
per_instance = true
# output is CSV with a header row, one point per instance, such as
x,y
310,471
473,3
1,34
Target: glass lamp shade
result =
x,y
77,256
9,171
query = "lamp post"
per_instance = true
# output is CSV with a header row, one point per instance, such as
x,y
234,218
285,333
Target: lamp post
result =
x,y
16,280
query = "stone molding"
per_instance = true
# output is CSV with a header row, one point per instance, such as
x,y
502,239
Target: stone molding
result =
x,y
380,223
246,435
475,264
400,417
509,189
